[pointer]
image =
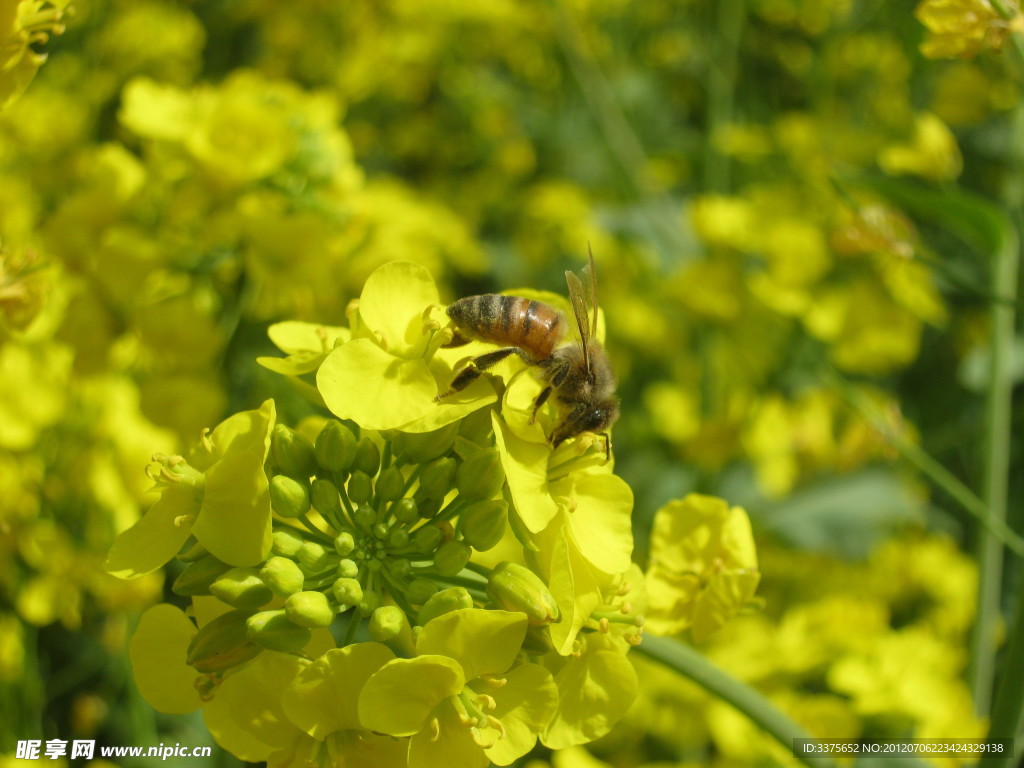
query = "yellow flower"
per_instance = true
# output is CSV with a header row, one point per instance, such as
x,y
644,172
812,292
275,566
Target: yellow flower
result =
x,y
963,27
932,152
22,24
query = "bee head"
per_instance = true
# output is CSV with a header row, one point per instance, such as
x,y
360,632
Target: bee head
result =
x,y
586,417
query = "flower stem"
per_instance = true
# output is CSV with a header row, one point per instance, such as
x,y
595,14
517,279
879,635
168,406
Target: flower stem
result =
x,y
721,91
1008,709
998,412
687,662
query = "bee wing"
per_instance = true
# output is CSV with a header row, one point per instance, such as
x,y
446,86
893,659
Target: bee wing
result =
x,y
579,308
592,285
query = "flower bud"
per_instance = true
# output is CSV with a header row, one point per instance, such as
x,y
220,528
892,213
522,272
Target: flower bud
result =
x,y
427,538
347,592
427,508
335,448
390,625
287,542
276,632
326,499
289,497
445,601
437,478
451,557
399,567
282,575
390,485
221,644
421,447
420,590
348,569
405,510
398,538
344,543
369,603
366,517
537,640
482,523
360,487
241,588
313,557
515,587
199,575
309,609
367,457
480,476
292,453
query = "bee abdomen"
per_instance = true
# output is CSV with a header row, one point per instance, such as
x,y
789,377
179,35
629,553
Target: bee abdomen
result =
x,y
532,326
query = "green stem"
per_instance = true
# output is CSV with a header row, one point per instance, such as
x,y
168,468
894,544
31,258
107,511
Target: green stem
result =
x,y
998,415
721,92
620,138
687,662
1008,709
929,467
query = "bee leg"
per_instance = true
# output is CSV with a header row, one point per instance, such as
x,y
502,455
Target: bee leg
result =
x,y
555,381
459,339
473,369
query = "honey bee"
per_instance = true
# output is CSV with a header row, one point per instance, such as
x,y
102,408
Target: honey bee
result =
x,y
578,373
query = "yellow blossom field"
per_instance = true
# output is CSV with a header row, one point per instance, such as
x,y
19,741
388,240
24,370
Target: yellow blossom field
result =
x,y
549,384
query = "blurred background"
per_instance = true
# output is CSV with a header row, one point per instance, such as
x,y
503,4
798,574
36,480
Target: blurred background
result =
x,y
798,210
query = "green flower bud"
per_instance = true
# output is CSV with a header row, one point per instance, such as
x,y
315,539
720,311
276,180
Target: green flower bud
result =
x,y
326,499
287,542
399,567
482,523
428,508
398,538
537,640
275,631
348,569
344,543
367,457
221,644
369,603
405,510
515,587
390,485
199,575
309,609
282,575
437,478
194,550
451,557
380,531
366,517
289,497
360,487
445,601
427,538
347,592
421,447
335,447
390,625
480,476
292,453
241,588
420,590
313,557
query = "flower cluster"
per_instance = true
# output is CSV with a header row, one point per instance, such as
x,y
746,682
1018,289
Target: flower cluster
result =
x,y
417,581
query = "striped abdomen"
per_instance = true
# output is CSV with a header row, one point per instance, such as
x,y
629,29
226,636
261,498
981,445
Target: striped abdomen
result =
x,y
513,321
